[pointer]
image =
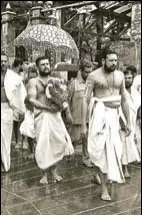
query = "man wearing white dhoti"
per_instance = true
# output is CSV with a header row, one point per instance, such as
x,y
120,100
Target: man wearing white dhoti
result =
x,y
137,86
17,67
130,151
76,93
104,144
53,141
12,98
27,126
137,83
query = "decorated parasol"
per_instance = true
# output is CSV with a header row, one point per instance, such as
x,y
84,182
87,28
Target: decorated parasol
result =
x,y
43,36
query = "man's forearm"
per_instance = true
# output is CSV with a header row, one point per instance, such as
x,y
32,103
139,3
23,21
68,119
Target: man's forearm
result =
x,y
126,110
39,105
67,110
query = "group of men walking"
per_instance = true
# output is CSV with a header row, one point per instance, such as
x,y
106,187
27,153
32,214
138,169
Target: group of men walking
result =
x,y
102,108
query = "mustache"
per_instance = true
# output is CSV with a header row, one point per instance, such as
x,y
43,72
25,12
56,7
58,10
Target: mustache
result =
x,y
113,66
46,70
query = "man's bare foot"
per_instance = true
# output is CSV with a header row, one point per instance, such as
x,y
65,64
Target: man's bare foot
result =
x,y
126,173
56,176
2,169
25,145
31,156
105,195
88,163
69,158
18,145
43,180
97,179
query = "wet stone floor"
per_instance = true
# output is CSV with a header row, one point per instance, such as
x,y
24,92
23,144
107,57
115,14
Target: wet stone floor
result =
x,y
77,194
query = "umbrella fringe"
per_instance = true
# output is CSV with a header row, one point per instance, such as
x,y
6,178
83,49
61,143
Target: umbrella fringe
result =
x,y
31,38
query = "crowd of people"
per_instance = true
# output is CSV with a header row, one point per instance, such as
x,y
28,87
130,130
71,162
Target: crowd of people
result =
x,y
100,109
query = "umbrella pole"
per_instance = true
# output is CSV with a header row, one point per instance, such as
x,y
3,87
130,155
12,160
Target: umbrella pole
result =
x,y
80,35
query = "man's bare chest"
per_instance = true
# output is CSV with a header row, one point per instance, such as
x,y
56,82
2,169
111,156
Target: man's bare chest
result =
x,y
41,87
105,82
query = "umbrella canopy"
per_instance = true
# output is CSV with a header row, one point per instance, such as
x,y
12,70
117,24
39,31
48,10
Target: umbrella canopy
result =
x,y
47,36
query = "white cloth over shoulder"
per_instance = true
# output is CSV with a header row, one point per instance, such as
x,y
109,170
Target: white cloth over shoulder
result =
x,y
130,151
6,134
104,143
15,91
53,140
137,83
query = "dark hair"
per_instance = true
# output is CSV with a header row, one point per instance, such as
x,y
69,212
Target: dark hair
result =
x,y
106,52
84,63
17,62
41,58
132,69
32,70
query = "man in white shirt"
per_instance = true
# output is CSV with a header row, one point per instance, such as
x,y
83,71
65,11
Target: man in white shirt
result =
x,y
12,98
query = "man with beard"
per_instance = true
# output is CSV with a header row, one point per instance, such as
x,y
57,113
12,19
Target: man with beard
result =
x,y
104,144
52,138
76,94
130,151
12,98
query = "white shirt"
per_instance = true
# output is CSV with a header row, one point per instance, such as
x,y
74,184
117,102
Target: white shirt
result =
x,y
137,83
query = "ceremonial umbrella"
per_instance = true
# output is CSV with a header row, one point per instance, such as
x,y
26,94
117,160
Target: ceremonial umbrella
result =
x,y
43,36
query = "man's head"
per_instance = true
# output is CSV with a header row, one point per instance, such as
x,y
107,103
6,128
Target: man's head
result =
x,y
4,62
17,65
25,66
43,66
85,68
129,74
32,71
109,60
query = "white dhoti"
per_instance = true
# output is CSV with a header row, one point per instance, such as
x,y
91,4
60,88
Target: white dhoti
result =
x,y
53,140
104,143
6,134
138,136
27,126
130,150
15,93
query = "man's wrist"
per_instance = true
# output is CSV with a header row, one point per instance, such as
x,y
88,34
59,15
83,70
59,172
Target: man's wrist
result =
x,y
65,105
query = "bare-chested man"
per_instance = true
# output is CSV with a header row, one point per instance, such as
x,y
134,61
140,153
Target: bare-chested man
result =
x,y
51,135
104,144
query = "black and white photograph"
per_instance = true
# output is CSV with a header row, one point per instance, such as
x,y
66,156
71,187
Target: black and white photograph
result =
x,y
71,107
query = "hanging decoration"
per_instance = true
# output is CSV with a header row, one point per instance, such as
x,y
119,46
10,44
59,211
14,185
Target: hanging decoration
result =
x,y
46,37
